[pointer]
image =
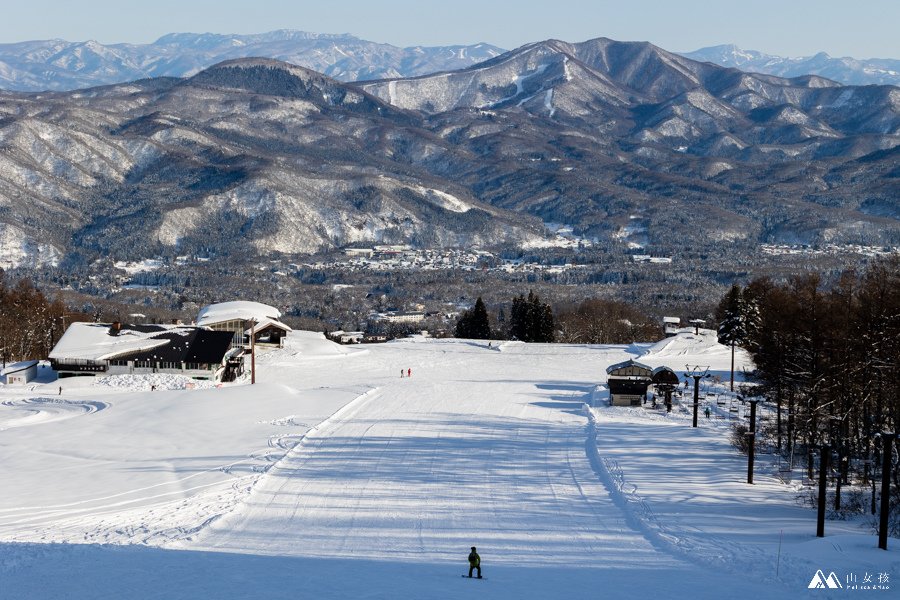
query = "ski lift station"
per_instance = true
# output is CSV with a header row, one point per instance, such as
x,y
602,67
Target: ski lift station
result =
x,y
628,382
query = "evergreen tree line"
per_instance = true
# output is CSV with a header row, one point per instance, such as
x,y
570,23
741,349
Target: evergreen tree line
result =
x,y
30,324
828,359
474,324
593,321
530,320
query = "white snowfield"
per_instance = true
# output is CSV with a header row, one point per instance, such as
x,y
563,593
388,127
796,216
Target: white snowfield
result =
x,y
333,477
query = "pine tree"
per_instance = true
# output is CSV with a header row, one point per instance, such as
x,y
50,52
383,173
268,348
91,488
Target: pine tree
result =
x,y
531,320
733,322
731,315
481,328
518,327
473,324
546,327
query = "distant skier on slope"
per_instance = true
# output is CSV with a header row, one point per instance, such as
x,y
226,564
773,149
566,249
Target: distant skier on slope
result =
x,y
474,562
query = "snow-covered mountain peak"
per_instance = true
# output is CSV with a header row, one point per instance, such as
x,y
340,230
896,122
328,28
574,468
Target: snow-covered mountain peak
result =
x,y
268,76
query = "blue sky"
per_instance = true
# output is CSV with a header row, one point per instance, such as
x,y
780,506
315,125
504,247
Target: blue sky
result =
x,y
863,29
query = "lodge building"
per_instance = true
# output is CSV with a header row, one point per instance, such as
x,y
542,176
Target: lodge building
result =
x,y
213,349
117,349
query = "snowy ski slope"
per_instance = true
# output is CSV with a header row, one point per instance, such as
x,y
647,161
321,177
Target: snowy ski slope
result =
x,y
335,478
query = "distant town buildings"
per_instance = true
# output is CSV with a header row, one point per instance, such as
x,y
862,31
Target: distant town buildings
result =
x,y
409,318
346,337
671,325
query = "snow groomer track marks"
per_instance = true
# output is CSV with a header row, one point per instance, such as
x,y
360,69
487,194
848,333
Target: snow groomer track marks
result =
x,y
36,411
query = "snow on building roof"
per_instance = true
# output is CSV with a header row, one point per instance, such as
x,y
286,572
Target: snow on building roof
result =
x,y
18,366
626,364
242,310
263,323
92,341
675,320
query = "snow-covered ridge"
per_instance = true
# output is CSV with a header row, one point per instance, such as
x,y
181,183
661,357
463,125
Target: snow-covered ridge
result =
x,y
298,163
62,65
17,248
846,70
444,200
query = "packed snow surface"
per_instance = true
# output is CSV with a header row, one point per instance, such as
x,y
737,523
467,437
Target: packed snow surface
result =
x,y
335,477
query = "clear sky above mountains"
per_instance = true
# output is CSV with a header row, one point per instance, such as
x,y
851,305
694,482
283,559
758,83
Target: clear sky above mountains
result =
x,y
785,27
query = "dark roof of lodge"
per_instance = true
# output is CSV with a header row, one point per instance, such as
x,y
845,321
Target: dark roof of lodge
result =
x,y
145,328
189,345
665,375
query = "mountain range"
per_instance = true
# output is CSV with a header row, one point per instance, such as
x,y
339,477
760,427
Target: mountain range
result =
x,y
61,65
846,70
631,144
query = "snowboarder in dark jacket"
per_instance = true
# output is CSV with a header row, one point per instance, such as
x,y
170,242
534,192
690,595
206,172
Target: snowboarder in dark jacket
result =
x,y
474,562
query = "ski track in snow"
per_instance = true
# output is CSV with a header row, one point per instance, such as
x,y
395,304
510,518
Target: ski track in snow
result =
x,y
34,411
426,463
694,538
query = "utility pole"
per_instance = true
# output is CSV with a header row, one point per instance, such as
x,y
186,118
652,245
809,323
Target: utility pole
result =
x,y
731,387
887,452
751,436
698,373
252,351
